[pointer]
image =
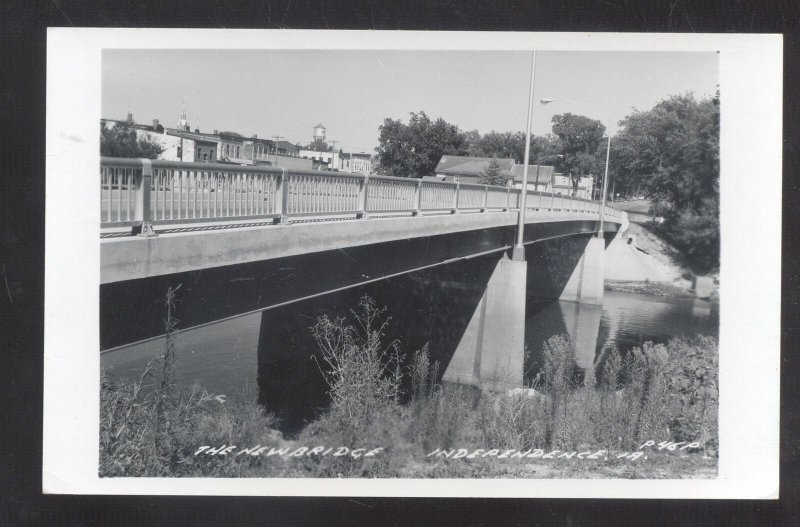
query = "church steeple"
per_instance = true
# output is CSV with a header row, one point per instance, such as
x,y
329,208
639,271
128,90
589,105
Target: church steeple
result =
x,y
183,124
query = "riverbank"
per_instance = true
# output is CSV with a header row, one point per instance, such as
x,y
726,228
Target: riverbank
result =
x,y
640,261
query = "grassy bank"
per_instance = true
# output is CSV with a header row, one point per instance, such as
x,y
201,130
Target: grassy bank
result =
x,y
649,414
663,289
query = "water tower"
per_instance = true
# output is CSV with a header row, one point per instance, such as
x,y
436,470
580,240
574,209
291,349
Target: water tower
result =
x,y
319,133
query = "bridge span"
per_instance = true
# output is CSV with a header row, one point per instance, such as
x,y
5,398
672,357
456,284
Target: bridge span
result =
x,y
245,239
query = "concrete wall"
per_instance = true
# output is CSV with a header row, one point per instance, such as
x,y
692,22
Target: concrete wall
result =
x,y
490,353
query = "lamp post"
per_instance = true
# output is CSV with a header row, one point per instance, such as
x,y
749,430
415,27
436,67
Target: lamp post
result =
x,y
608,155
518,253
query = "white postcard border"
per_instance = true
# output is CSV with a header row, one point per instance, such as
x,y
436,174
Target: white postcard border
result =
x,y
751,147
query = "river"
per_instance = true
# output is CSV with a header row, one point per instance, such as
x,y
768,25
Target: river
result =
x,y
223,357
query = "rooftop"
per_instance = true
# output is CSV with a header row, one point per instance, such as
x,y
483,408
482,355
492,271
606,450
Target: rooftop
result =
x,y
545,173
466,165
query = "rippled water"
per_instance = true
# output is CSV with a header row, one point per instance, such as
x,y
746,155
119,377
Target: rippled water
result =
x,y
223,357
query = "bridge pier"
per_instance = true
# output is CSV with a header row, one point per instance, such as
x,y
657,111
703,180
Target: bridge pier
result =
x,y
586,284
490,353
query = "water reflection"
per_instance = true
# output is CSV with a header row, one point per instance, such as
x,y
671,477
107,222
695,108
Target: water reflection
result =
x,y
624,320
223,357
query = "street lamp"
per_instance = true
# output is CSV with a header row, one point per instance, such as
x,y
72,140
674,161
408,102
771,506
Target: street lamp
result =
x,y
608,155
518,253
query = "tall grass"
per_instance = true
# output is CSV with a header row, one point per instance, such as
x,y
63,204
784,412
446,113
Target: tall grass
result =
x,y
151,425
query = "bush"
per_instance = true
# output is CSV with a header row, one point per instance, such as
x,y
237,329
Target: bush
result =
x,y
692,382
363,375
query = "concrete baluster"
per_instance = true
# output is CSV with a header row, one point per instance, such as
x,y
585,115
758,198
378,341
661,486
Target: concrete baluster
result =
x,y
282,204
143,209
363,197
417,198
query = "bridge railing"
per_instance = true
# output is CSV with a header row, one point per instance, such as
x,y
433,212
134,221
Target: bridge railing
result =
x,y
134,192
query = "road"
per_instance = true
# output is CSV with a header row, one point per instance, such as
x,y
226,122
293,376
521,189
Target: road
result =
x,y
642,206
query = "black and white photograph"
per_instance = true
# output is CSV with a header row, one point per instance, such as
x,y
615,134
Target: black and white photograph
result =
x,y
370,262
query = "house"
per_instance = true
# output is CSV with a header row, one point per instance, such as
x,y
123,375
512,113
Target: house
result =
x,y
563,185
540,178
466,169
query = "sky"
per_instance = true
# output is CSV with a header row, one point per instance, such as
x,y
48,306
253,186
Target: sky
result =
x,y
288,92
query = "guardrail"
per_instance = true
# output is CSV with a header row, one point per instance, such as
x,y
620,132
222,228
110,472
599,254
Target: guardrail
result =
x,y
140,193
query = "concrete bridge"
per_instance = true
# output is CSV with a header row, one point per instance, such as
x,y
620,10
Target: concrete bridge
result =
x,y
245,239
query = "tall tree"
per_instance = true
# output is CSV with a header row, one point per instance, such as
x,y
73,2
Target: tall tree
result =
x,y
120,141
672,152
414,149
579,139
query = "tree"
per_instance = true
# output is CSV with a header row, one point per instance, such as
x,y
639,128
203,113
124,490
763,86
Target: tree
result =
x,y
320,146
494,175
672,152
120,141
414,150
579,139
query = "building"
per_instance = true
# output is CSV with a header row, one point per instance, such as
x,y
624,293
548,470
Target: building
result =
x,y
360,163
540,178
466,169
177,145
286,148
563,185
321,160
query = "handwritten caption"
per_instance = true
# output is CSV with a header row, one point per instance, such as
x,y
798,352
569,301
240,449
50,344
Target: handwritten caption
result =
x,y
288,452
453,453
538,453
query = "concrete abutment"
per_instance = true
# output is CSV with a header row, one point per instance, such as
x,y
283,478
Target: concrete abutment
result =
x,y
587,282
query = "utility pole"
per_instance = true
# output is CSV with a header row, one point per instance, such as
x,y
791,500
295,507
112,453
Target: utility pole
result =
x,y
277,138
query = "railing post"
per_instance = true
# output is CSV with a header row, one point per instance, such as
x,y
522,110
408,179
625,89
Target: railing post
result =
x,y
485,198
283,200
455,198
417,198
363,197
143,210
508,197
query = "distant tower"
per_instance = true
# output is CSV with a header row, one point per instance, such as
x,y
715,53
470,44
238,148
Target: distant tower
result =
x,y
183,124
319,133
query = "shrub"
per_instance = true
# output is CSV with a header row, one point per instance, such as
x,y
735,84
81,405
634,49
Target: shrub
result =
x,y
692,377
362,374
